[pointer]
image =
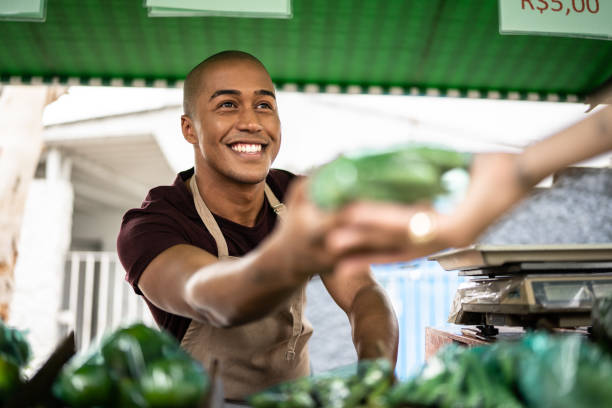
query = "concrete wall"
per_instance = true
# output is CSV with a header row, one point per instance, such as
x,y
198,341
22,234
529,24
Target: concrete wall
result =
x,y
45,238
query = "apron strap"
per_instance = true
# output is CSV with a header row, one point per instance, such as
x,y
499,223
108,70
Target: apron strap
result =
x,y
296,315
278,207
208,219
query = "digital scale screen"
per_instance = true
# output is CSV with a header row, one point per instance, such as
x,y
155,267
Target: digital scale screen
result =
x,y
570,293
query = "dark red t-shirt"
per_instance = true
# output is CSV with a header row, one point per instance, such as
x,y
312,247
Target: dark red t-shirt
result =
x,y
168,217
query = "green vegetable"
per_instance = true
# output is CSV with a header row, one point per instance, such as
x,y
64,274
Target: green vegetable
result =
x,y
13,345
332,392
540,370
409,174
177,383
127,350
130,395
601,316
365,388
9,378
134,367
565,371
269,399
15,353
88,385
460,377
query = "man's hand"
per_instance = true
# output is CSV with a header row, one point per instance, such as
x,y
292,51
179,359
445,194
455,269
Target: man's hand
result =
x,y
301,234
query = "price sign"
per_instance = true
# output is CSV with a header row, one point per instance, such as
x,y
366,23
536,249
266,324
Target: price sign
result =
x,y
570,18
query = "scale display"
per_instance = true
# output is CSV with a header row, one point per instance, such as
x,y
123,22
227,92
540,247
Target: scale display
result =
x,y
562,293
568,292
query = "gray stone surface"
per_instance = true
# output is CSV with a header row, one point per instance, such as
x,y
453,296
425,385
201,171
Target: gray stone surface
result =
x,y
576,209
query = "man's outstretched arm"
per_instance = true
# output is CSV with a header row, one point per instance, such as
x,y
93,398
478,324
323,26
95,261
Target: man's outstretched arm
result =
x,y
373,321
191,282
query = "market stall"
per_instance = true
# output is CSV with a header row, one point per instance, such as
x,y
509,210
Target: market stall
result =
x,y
434,48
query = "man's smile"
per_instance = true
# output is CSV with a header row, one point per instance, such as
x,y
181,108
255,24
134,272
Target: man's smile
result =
x,y
247,148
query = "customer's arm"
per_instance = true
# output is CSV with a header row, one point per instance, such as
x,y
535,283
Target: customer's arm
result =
x,y
489,197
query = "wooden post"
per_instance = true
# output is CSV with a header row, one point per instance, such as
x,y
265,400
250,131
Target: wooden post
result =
x,y
21,109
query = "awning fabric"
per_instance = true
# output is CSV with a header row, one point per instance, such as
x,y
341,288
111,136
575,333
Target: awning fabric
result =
x,y
432,47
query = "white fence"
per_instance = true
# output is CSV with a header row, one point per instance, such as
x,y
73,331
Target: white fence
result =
x,y
96,298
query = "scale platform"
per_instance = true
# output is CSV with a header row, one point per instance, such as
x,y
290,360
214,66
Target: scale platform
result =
x,y
523,268
477,257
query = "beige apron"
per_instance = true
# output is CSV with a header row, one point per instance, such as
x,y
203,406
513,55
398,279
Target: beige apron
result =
x,y
256,355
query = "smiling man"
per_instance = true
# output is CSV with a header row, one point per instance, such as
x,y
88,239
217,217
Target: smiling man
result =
x,y
217,268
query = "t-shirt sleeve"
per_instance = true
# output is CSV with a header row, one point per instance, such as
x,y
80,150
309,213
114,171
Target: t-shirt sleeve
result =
x,y
280,180
141,238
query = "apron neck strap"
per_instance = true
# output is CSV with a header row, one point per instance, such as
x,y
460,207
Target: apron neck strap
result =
x,y
211,224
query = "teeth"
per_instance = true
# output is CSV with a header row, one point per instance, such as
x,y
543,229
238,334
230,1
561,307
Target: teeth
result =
x,y
246,148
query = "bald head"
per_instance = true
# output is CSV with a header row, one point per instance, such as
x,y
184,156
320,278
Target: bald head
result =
x,y
194,83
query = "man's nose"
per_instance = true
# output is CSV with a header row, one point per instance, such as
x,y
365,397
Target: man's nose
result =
x,y
248,121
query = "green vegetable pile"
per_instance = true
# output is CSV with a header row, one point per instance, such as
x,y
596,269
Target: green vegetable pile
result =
x,y
137,367
461,377
540,370
365,388
14,355
408,174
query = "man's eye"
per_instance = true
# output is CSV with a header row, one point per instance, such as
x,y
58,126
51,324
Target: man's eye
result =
x,y
264,105
227,104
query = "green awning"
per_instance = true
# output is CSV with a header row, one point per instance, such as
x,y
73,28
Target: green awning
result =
x,y
432,47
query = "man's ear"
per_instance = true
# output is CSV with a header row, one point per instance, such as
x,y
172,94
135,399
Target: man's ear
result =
x,y
188,129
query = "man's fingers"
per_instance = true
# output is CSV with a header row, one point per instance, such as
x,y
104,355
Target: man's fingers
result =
x,y
340,240
359,262
379,214
354,240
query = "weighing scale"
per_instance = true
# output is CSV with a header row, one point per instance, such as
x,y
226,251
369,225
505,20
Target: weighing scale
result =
x,y
530,286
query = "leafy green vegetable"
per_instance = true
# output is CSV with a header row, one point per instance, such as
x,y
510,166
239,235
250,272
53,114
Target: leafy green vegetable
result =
x,y
9,378
365,388
173,383
87,385
13,345
408,174
540,370
601,316
564,371
15,353
134,367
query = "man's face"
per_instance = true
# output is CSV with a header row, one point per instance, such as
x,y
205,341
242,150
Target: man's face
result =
x,y
237,123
